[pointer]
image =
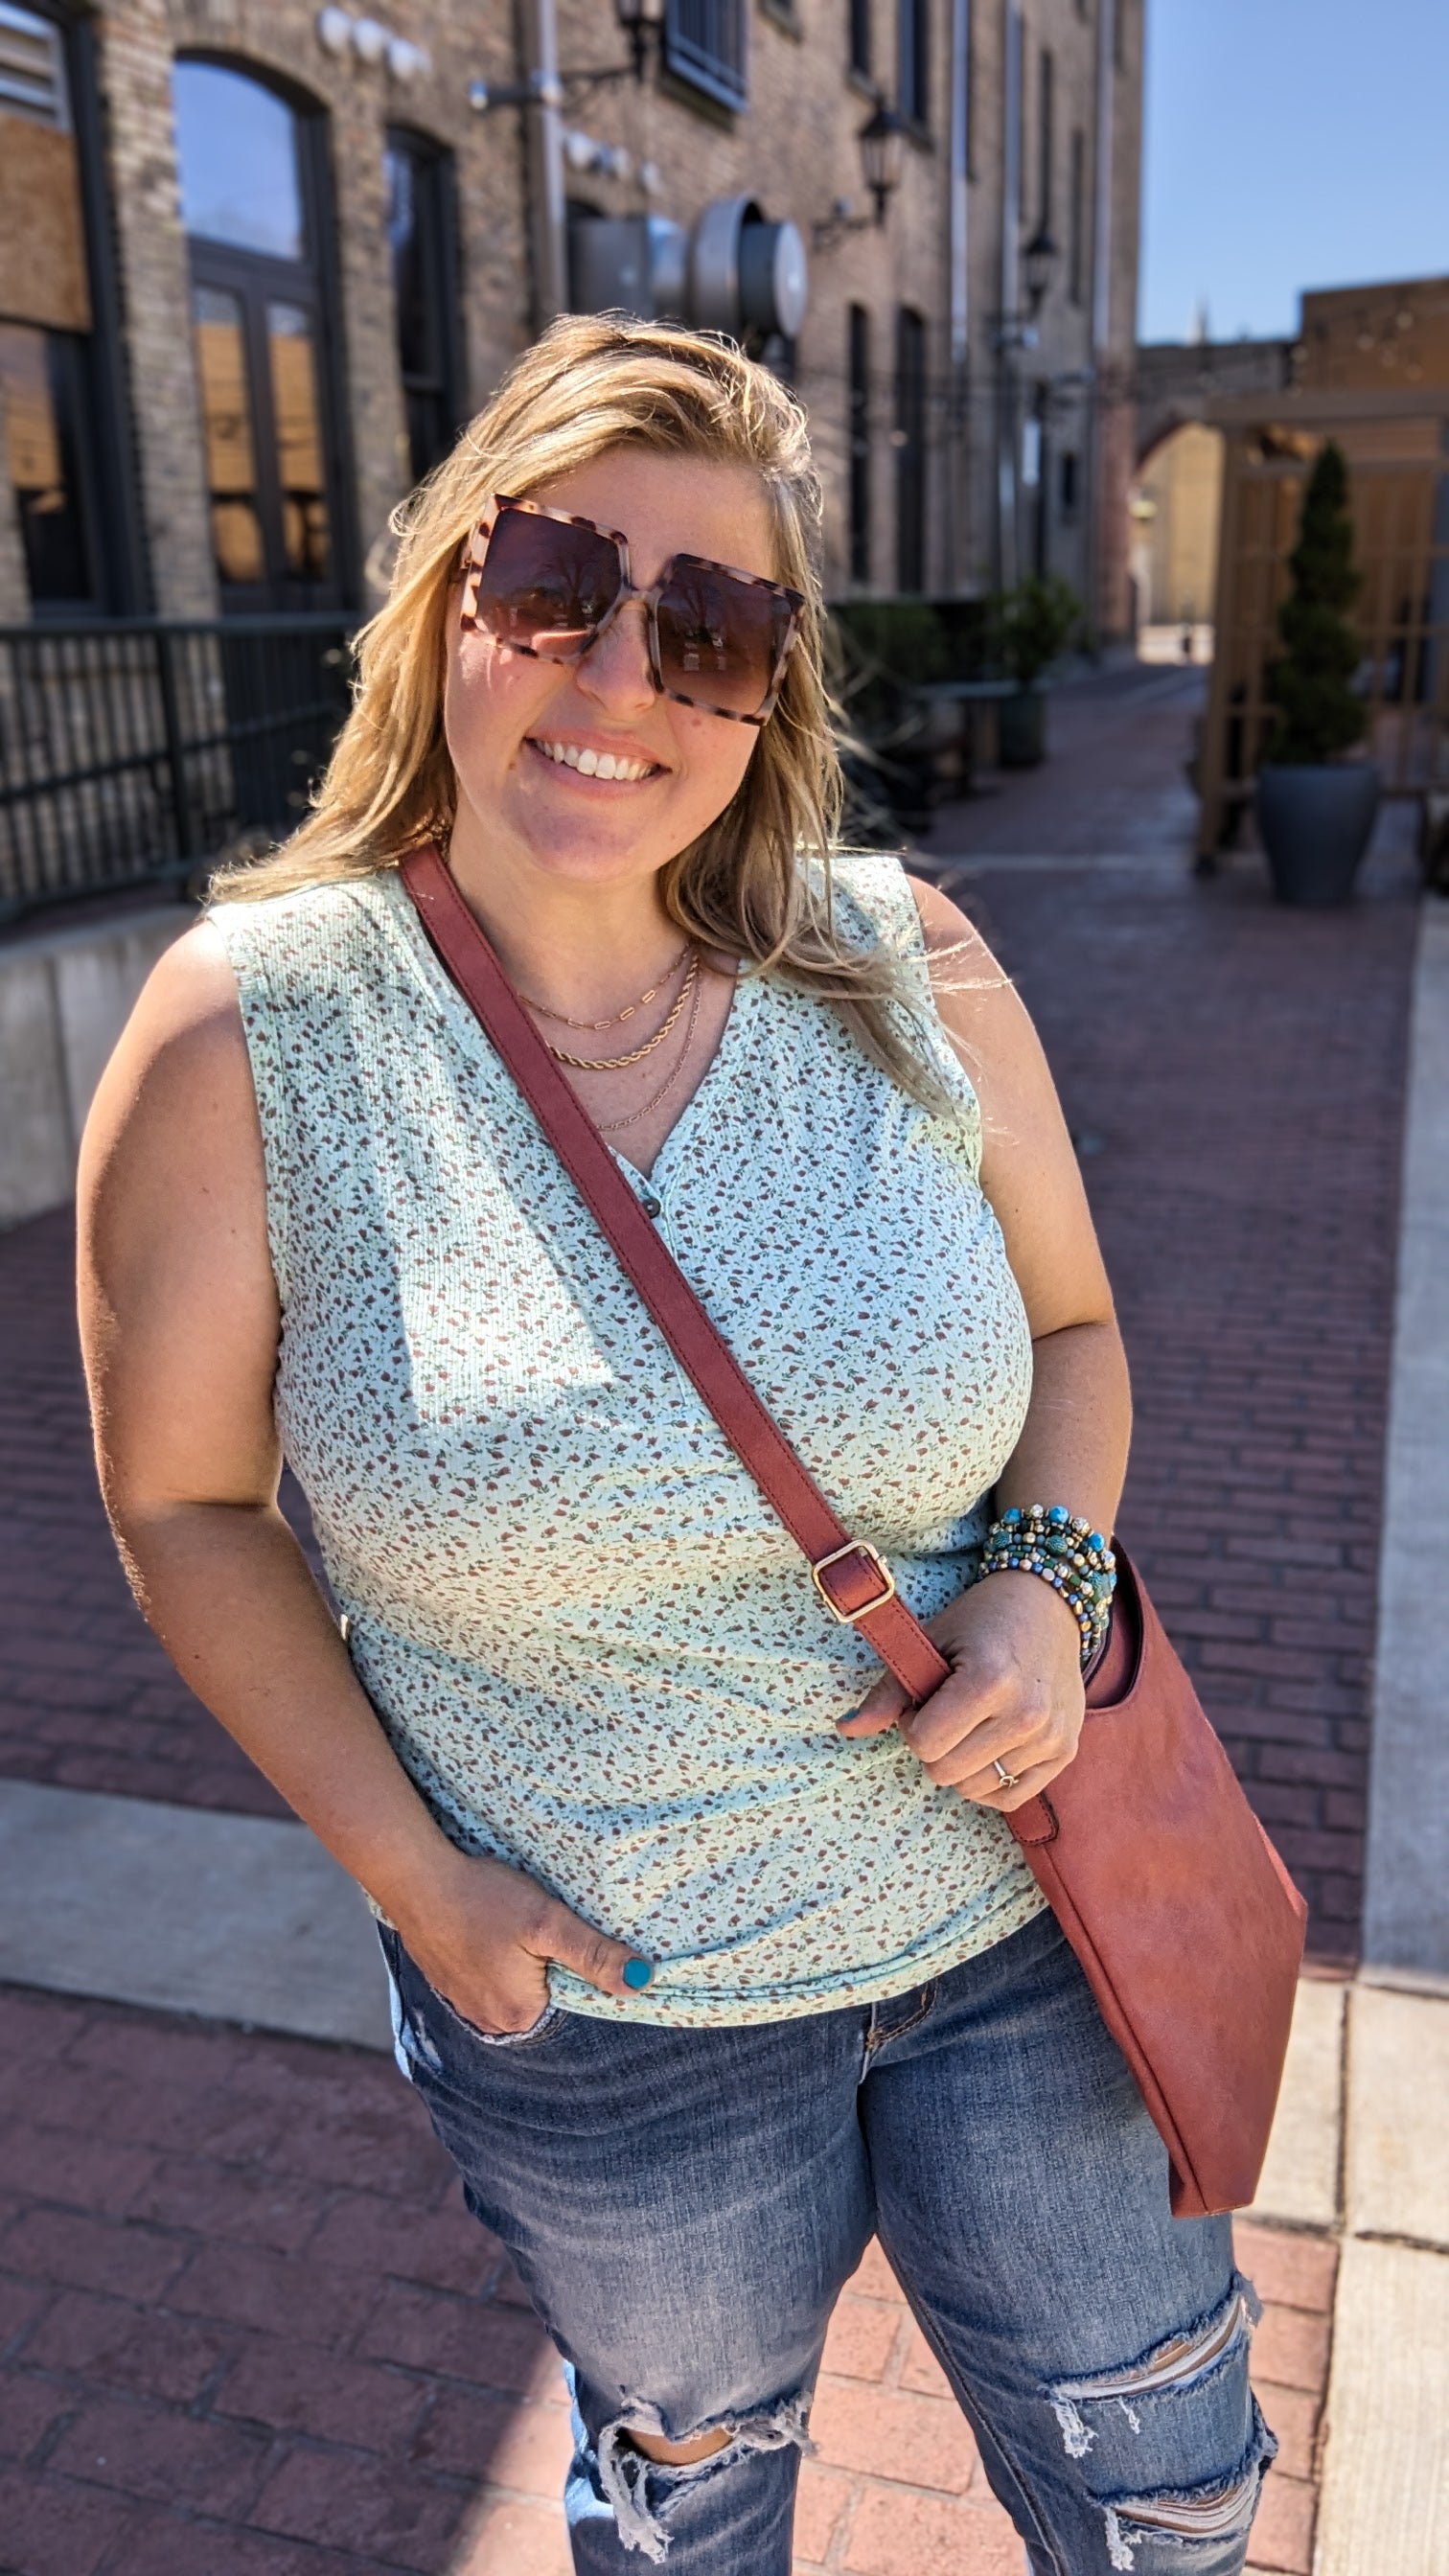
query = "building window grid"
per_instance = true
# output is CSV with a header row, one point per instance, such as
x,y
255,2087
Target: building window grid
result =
x,y
914,50
859,442
910,447
1077,220
1046,137
1023,199
705,44
32,69
421,233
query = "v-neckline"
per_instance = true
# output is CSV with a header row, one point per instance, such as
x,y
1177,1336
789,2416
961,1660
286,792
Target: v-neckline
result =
x,y
726,1045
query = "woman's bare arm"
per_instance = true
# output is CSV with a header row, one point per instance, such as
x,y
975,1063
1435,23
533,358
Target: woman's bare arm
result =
x,y
180,1325
1015,1692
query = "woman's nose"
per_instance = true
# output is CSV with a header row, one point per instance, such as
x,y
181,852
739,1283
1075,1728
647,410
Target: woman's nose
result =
x,y
616,671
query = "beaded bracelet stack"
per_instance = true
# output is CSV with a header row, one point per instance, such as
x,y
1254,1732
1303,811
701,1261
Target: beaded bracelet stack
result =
x,y
1069,1554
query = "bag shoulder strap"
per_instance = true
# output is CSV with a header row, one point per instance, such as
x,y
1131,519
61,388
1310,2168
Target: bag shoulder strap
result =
x,y
852,1580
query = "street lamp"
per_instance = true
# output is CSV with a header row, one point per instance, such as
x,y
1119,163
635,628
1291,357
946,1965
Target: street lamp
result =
x,y
882,141
642,21
1038,266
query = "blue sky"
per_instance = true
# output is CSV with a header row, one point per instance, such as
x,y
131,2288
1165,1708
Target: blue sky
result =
x,y
1289,143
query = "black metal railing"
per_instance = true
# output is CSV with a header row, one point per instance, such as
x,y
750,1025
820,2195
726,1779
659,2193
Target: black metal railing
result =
x,y
133,751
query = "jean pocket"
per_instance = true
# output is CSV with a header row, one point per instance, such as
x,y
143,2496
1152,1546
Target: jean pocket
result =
x,y
528,2038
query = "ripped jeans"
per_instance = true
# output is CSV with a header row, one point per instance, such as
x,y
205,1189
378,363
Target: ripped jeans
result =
x,y
683,2207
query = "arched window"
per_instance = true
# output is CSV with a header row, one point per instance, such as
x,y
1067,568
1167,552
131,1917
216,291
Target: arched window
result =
x,y
251,201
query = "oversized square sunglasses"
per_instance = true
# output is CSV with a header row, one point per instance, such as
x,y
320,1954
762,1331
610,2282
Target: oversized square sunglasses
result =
x,y
550,585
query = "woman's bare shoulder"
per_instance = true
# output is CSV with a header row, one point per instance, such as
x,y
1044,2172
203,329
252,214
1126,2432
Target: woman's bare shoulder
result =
x,y
177,1092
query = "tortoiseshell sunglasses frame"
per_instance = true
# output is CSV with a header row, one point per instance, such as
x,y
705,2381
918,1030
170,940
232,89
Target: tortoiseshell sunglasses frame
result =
x,y
475,552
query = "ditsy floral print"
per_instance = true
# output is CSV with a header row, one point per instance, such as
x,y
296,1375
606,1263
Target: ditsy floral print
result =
x,y
591,1644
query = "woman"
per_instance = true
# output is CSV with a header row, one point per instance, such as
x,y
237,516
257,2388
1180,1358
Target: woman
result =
x,y
708,1957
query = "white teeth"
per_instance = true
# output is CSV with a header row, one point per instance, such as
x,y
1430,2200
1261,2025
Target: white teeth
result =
x,y
595,764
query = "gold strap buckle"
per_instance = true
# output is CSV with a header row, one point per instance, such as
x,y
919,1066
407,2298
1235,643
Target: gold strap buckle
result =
x,y
862,1548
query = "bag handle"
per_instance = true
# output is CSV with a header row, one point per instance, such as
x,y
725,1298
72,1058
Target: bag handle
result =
x,y
853,1581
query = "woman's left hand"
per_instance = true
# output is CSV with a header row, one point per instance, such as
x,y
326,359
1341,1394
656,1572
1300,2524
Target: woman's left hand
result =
x,y
1014,1696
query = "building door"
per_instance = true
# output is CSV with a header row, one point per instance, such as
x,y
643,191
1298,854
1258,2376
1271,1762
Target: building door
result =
x,y
251,202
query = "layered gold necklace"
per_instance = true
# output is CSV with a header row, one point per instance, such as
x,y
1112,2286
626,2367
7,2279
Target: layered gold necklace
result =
x,y
635,1055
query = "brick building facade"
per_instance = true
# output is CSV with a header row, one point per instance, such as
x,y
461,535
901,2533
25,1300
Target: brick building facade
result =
x,y
257,261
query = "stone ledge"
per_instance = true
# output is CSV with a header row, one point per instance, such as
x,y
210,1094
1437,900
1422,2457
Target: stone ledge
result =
x,y
65,996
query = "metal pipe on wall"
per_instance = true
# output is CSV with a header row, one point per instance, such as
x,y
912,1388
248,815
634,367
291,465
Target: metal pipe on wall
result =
x,y
1101,296
543,160
957,458
1007,549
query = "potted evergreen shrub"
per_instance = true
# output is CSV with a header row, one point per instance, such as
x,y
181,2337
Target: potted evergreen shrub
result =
x,y
1032,626
1316,807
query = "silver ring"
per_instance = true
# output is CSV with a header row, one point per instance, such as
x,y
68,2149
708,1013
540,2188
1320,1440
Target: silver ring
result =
x,y
1008,1779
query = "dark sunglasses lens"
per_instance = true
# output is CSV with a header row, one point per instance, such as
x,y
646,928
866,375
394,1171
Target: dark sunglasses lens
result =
x,y
719,639
545,585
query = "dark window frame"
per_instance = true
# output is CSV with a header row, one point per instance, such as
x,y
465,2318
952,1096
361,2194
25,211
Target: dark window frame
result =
x,y
967,73
913,63
1046,112
858,442
707,47
436,165
109,487
860,48
313,283
910,448
1077,219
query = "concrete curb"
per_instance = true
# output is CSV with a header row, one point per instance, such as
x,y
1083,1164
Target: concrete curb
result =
x,y
1385,2494
185,1910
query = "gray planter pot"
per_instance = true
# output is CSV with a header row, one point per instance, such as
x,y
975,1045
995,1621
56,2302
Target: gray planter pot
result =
x,y
1315,825
1021,723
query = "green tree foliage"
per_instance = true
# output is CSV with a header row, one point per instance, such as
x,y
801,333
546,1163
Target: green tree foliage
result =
x,y
1034,624
1318,713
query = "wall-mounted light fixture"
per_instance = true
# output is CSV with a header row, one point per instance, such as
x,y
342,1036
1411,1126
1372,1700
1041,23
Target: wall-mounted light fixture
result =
x,y
882,143
642,21
1038,267
373,44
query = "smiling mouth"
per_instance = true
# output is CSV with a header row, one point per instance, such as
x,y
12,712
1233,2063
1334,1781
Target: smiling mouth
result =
x,y
585,762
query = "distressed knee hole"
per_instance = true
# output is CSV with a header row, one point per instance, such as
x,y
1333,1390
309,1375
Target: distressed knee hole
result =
x,y
1218,2512
646,2473
1178,2364
1173,2445
680,2455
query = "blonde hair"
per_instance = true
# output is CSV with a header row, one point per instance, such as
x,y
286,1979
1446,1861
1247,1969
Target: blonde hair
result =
x,y
746,886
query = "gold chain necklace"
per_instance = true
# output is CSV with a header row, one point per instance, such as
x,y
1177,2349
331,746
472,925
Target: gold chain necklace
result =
x,y
612,1126
564,1022
636,1055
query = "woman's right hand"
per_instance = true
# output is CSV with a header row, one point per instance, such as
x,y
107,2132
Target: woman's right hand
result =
x,y
483,1935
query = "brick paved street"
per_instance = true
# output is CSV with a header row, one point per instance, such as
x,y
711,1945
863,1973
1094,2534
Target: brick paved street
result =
x,y
1234,1073
246,2328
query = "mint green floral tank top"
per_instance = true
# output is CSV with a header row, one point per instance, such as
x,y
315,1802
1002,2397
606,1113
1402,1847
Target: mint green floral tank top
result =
x,y
591,1644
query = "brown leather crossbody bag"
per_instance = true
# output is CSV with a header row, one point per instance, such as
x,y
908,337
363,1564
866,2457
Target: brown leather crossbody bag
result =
x,y
1184,1919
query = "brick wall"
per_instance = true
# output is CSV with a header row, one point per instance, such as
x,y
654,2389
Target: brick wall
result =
x,y
794,148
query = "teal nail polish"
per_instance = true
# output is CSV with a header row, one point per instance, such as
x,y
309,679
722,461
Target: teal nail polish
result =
x,y
849,1714
637,1973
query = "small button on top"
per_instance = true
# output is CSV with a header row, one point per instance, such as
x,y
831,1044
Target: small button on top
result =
x,y
652,1206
